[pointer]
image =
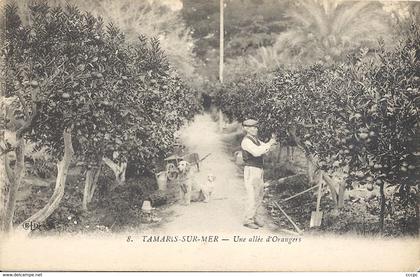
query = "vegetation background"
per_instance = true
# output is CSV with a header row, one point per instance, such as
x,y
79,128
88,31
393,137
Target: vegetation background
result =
x,y
273,50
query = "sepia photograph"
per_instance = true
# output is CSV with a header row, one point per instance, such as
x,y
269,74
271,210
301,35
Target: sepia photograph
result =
x,y
209,135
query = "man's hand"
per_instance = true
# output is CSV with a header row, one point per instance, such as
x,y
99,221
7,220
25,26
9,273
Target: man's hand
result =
x,y
273,139
270,143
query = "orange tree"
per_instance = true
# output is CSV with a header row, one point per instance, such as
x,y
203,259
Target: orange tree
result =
x,y
80,91
360,118
17,89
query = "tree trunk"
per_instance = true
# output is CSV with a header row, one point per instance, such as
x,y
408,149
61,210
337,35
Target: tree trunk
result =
x,y
311,171
91,180
341,191
14,181
418,213
327,179
382,213
88,188
63,167
4,180
330,184
14,178
95,181
119,171
4,191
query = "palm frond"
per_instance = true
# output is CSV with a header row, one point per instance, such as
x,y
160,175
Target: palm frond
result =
x,y
348,16
325,30
317,13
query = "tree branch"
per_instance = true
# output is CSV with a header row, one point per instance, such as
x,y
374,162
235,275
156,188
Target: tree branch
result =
x,y
9,171
22,102
4,149
28,122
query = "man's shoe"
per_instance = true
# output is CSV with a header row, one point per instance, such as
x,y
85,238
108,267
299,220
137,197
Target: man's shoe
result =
x,y
259,222
251,225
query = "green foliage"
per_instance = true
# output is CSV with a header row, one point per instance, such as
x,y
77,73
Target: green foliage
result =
x,y
318,32
152,19
248,25
122,100
328,31
360,118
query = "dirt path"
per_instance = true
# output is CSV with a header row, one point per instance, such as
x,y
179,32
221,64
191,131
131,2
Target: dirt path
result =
x,y
224,213
223,216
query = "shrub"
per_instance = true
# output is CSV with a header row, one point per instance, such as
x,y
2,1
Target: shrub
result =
x,y
84,93
359,118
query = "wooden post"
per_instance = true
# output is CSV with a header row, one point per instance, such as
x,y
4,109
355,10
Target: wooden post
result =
x,y
221,44
288,218
221,57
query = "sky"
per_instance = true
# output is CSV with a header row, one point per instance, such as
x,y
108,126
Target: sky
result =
x,y
175,5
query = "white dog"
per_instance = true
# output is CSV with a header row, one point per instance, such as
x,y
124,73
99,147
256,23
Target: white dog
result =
x,y
189,189
208,187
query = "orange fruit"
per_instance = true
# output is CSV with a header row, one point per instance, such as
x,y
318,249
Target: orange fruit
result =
x,y
363,135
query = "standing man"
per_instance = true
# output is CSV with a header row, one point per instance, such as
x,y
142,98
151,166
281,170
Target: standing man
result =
x,y
252,152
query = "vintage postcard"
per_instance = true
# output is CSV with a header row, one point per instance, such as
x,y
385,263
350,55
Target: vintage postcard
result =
x,y
210,135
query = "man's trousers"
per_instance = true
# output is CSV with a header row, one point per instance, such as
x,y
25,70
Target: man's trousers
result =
x,y
254,186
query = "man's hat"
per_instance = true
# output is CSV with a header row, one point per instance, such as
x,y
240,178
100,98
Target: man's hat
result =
x,y
250,123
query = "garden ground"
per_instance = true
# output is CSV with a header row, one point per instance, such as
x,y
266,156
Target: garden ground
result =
x,y
120,210
224,213
111,250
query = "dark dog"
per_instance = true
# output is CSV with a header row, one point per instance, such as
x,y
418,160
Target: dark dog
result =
x,y
186,181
